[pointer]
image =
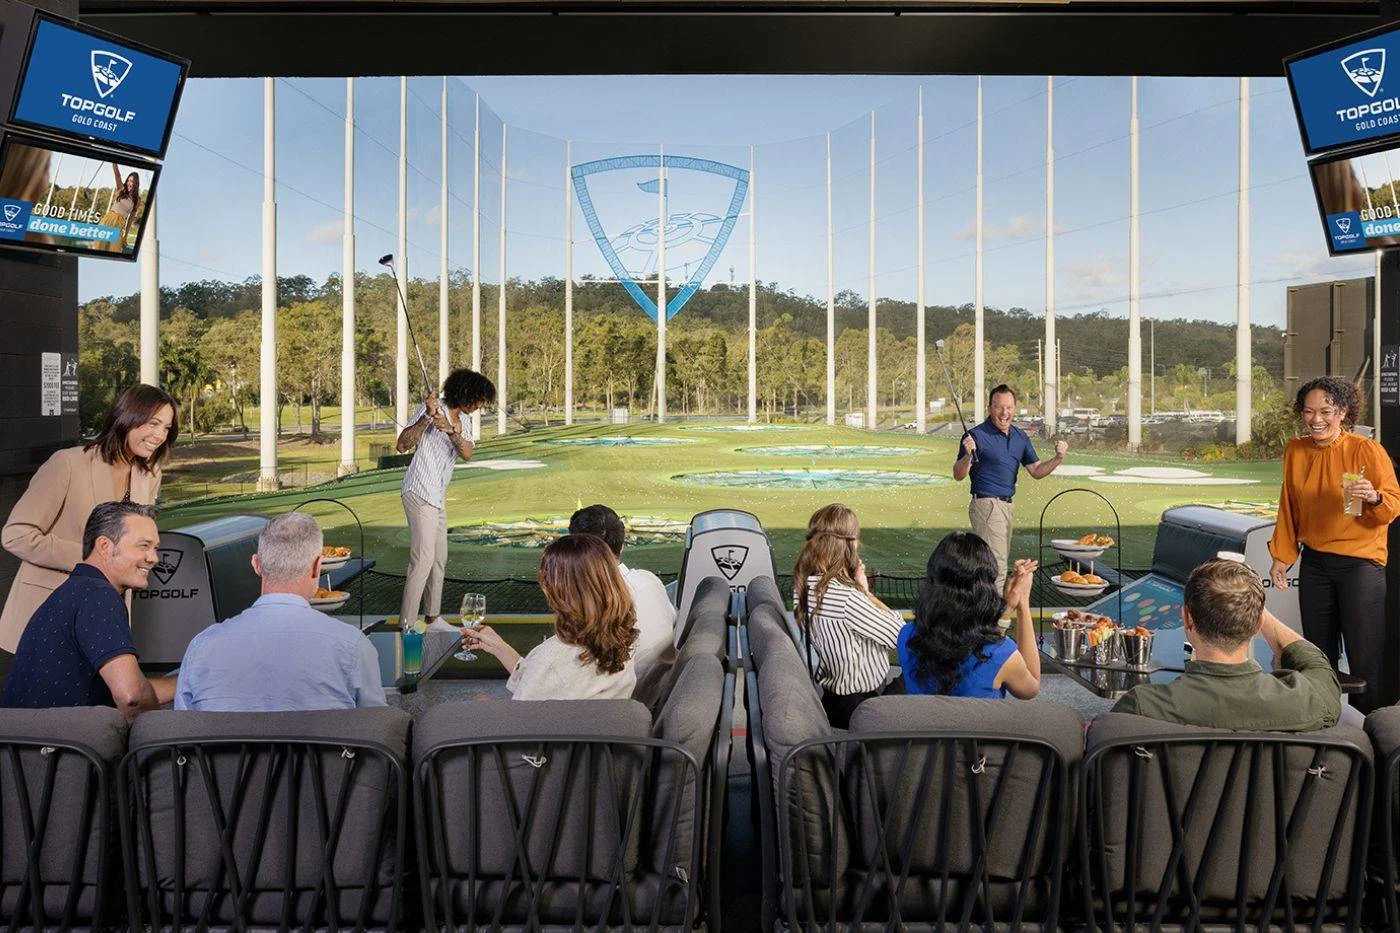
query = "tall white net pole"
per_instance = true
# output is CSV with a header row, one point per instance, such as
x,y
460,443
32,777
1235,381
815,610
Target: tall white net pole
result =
x,y
501,298
1244,351
661,287
150,298
753,290
1134,285
830,298
444,340
401,268
871,374
476,254
979,358
347,295
568,282
921,326
268,402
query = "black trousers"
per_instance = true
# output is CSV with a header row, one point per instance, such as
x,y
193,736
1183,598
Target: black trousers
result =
x,y
839,707
1342,602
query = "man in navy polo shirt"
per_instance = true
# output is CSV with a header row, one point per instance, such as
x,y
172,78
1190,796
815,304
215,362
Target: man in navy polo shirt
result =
x,y
1001,450
77,649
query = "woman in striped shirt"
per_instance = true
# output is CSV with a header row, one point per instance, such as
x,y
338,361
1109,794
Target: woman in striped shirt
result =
x,y
852,631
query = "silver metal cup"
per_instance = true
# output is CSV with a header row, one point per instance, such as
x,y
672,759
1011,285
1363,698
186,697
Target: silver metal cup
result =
x,y
1136,650
1105,651
1070,643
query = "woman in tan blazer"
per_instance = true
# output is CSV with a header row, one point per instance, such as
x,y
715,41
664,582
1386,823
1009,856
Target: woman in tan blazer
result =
x,y
45,528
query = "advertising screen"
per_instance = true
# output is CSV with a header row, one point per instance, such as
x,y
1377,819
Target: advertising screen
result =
x,y
1359,199
1347,93
87,84
60,199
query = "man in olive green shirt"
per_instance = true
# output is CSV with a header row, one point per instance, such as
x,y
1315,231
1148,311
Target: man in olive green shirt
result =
x,y
1224,687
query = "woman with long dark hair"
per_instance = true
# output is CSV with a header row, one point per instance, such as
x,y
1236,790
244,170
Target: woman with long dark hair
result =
x,y
126,202
1338,499
45,528
956,645
851,629
589,656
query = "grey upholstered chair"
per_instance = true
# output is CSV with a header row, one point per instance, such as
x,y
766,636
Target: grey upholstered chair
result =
x,y
1187,828
59,866
244,820
574,813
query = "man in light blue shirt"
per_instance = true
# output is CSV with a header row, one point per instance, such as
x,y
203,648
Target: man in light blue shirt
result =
x,y
279,654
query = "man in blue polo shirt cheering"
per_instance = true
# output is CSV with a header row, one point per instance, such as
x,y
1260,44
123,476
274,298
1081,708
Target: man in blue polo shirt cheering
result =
x,y
1000,449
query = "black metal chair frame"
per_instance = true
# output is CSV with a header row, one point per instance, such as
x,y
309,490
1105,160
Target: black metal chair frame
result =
x,y
1146,749
430,820
290,755
761,776
36,823
850,753
1388,788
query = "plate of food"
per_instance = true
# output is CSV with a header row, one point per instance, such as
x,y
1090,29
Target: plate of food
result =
x,y
1078,618
1085,547
333,557
1079,584
328,600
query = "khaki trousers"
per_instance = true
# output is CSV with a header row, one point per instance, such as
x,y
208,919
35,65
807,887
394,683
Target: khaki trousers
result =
x,y
427,557
991,521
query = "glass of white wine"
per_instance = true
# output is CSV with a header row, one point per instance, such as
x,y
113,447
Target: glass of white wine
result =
x,y
473,614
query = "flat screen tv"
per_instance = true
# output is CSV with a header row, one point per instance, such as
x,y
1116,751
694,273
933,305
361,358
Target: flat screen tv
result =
x,y
1347,92
1358,198
90,86
65,199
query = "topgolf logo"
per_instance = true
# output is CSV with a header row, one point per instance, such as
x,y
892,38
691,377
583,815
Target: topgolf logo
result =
x,y
1362,73
109,70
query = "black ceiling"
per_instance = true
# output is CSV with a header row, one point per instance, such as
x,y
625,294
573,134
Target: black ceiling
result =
x,y
248,38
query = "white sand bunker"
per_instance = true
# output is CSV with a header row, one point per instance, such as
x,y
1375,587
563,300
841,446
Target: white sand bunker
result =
x,y
500,465
1199,479
1077,469
1162,473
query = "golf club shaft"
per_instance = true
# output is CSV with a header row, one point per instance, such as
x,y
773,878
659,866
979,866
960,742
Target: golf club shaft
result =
x,y
403,301
948,377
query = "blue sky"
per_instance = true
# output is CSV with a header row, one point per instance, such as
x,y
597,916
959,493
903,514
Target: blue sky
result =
x,y
211,190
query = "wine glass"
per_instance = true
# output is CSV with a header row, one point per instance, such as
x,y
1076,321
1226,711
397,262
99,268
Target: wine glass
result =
x,y
473,614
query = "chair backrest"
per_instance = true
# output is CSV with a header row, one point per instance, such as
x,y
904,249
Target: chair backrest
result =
x,y
252,819
535,813
786,704
691,718
707,620
58,817
952,811
1181,825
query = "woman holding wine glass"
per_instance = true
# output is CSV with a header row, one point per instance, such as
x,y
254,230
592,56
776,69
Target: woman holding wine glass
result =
x,y
589,656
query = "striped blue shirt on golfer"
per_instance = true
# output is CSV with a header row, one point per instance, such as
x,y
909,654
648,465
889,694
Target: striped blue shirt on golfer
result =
x,y
431,469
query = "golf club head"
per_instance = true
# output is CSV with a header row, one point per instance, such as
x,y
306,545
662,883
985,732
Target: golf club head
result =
x,y
387,260
936,343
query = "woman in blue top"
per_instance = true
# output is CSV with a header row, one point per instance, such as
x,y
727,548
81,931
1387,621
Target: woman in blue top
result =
x,y
955,646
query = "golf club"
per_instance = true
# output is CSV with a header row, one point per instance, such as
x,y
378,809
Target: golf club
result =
x,y
388,260
938,351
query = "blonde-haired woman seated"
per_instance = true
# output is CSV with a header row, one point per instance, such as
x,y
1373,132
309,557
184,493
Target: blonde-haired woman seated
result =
x,y
589,656
851,629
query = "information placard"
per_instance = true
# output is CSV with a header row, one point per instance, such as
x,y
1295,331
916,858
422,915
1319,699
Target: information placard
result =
x,y
1390,375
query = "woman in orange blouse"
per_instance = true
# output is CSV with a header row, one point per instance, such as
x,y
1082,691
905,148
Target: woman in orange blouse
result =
x,y
1341,576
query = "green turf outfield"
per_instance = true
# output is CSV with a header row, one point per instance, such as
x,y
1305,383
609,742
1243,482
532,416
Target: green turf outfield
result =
x,y
900,524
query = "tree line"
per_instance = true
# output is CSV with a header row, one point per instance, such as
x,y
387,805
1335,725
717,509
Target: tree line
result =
x,y
210,335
